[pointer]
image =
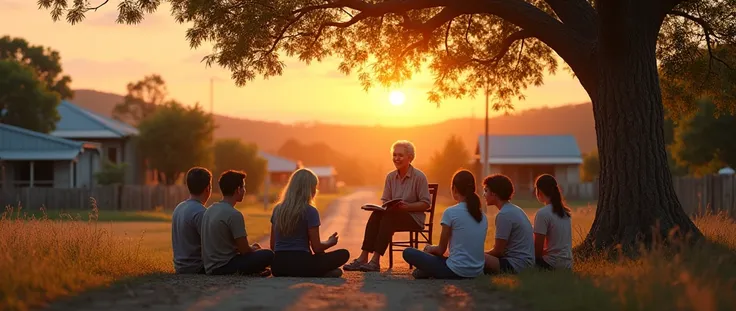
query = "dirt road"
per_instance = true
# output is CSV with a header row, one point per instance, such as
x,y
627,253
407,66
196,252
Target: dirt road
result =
x,y
388,290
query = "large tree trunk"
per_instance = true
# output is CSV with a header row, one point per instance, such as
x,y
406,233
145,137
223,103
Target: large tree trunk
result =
x,y
637,203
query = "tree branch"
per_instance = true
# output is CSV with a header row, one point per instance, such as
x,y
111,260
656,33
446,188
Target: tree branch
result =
x,y
578,14
505,46
445,16
96,7
708,32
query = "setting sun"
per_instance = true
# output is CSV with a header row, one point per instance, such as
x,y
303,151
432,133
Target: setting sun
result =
x,y
396,98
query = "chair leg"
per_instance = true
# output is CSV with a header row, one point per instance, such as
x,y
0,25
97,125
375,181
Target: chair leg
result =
x,y
391,255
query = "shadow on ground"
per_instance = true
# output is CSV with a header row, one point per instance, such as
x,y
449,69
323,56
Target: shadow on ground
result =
x,y
391,290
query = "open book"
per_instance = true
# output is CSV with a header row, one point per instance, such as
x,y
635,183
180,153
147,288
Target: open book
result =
x,y
382,207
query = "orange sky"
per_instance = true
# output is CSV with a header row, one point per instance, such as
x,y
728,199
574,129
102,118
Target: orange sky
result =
x,y
99,54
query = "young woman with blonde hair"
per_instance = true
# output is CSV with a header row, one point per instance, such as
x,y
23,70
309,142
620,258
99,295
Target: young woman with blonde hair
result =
x,y
295,233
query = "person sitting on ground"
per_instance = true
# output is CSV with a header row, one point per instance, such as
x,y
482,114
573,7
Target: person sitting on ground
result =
x,y
295,227
225,248
552,227
406,183
513,250
464,226
186,223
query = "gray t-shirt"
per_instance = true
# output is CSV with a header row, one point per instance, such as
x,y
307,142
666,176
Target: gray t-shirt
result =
x,y
513,225
468,237
299,240
186,227
558,232
221,225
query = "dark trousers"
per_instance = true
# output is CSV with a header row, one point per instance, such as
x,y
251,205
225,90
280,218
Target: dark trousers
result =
x,y
304,264
433,266
250,263
543,264
381,227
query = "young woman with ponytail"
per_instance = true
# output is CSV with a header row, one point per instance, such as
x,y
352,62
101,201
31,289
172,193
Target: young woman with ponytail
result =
x,y
464,228
552,226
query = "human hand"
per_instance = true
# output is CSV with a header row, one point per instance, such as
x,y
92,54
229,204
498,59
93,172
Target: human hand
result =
x,y
333,239
401,205
429,249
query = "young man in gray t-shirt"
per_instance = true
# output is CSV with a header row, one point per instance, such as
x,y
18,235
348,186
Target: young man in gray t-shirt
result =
x,y
186,223
513,250
225,248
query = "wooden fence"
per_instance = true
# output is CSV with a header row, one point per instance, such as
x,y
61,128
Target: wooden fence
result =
x,y
715,193
125,198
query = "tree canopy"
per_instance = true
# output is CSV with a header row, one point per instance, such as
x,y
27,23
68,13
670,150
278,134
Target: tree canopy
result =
x,y
175,138
25,101
44,61
445,162
233,154
142,99
704,142
506,45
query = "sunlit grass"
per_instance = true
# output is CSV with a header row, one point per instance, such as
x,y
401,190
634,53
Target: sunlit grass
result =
x,y
52,255
43,259
698,277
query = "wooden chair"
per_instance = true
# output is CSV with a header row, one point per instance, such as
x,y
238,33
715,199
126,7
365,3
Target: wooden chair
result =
x,y
423,236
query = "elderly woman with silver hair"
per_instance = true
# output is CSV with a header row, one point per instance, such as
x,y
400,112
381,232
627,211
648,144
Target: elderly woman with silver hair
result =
x,y
407,184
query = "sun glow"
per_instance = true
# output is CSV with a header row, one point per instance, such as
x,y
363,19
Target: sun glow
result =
x,y
396,98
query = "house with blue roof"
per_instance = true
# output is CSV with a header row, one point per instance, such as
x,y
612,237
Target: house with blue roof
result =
x,y
33,159
524,157
116,138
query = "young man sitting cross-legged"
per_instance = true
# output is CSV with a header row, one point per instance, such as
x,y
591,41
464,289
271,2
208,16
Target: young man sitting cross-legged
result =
x,y
225,247
186,223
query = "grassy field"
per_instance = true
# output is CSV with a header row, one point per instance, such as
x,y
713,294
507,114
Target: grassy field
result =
x,y
700,277
59,254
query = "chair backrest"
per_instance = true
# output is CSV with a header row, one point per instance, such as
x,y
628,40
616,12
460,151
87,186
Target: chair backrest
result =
x,y
433,189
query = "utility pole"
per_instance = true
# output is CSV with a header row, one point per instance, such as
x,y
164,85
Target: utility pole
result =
x,y
484,161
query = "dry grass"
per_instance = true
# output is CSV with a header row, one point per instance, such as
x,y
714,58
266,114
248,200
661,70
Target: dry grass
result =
x,y
47,256
44,259
685,277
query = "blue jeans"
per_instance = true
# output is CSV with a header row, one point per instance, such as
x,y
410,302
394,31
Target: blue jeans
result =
x,y
250,263
431,265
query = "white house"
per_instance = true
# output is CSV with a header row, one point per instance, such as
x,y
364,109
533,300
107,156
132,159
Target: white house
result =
x,y
33,159
524,157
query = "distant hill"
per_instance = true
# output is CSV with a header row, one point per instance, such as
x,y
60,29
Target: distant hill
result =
x,y
373,142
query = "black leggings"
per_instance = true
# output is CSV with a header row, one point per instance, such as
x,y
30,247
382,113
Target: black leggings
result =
x,y
304,264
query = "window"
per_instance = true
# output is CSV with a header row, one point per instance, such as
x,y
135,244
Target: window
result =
x,y
112,154
43,173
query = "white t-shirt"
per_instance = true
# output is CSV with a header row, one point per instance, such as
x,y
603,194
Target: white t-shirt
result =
x,y
558,232
466,242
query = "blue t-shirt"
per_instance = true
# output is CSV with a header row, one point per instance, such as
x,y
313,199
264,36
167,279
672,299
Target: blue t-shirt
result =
x,y
467,240
299,240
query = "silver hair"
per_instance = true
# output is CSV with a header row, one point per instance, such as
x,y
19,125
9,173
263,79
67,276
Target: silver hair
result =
x,y
407,145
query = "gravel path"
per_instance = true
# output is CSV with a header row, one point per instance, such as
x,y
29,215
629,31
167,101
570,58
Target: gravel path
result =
x,y
388,290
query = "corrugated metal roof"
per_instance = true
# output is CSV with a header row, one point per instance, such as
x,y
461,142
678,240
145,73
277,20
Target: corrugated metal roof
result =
x,y
77,122
21,144
323,171
530,149
278,164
